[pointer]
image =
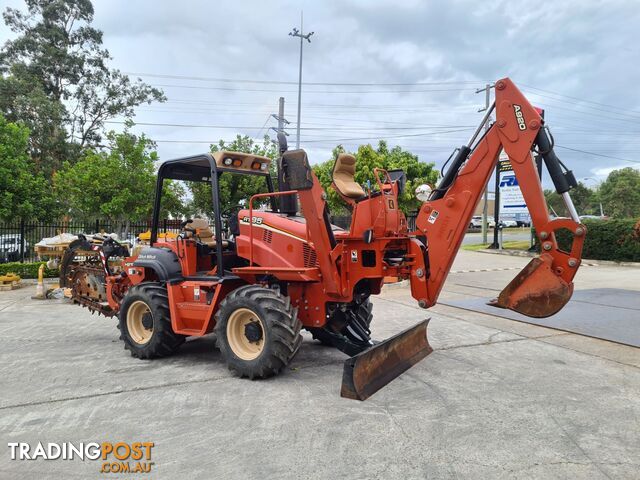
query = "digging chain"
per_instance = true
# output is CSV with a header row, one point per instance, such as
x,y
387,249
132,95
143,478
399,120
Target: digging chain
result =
x,y
88,289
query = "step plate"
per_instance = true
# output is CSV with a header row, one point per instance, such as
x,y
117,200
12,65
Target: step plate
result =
x,y
366,373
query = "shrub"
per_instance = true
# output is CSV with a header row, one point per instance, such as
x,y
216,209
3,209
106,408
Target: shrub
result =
x,y
617,240
28,270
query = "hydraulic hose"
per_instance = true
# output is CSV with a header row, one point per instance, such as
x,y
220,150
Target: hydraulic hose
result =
x,y
563,181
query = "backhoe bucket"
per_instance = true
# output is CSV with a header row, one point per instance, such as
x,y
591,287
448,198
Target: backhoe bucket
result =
x,y
366,373
536,291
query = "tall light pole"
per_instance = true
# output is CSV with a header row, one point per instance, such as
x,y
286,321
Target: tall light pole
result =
x,y
598,182
300,33
485,208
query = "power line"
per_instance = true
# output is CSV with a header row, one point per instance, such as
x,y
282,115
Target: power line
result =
x,y
582,114
581,99
388,136
183,125
264,125
616,109
597,154
605,110
195,141
324,105
280,82
236,127
198,87
327,140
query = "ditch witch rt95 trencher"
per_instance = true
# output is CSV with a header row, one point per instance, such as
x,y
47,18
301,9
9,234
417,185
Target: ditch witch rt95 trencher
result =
x,y
261,275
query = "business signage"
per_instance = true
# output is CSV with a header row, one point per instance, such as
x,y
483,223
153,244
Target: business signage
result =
x,y
512,202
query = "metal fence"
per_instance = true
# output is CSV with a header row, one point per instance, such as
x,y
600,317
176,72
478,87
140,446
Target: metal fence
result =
x,y
18,239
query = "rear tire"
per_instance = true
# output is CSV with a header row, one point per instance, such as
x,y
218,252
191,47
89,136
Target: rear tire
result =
x,y
145,322
257,331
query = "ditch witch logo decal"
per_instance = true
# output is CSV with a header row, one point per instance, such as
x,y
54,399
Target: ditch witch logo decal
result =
x,y
121,457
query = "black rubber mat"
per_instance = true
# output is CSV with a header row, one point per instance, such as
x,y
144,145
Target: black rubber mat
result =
x,y
607,313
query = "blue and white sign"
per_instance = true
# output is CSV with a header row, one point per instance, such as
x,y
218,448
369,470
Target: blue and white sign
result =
x,y
512,202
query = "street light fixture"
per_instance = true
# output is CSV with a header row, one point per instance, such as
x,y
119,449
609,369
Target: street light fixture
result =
x,y
300,33
598,182
591,178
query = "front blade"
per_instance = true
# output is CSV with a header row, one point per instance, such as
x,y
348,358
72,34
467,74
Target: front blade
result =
x,y
369,371
536,291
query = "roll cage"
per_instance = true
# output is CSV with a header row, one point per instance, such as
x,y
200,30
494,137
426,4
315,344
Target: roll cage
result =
x,y
200,168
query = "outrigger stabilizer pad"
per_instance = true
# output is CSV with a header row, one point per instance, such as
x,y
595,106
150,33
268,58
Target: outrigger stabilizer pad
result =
x,y
367,372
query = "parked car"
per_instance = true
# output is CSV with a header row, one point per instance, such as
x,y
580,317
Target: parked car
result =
x,y
523,223
10,247
593,217
476,222
507,223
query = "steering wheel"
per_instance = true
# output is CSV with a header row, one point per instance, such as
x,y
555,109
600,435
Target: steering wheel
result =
x,y
228,212
185,229
229,217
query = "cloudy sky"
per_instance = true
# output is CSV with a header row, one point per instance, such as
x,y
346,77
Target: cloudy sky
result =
x,y
405,71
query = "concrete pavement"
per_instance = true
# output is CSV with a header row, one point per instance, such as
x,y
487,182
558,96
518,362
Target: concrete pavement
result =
x,y
497,399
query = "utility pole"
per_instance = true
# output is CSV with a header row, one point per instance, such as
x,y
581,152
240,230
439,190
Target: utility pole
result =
x,y
288,203
280,118
485,208
300,33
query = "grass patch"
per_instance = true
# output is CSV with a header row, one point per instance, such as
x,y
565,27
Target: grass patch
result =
x,y
475,247
510,245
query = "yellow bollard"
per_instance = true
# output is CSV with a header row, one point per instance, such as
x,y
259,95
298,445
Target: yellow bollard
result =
x,y
40,287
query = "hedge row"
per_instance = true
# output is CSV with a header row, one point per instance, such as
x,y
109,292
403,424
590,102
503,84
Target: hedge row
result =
x,y
27,270
617,240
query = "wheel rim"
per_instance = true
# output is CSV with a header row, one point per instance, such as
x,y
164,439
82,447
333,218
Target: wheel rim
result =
x,y
135,324
241,323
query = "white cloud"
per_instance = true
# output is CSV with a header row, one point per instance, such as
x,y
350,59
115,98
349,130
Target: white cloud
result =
x,y
585,51
603,173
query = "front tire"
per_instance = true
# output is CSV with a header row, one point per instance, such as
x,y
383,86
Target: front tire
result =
x,y
257,331
145,322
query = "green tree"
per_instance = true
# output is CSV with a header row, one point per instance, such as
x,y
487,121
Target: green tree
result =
x,y
24,101
368,158
22,194
117,184
620,193
55,78
583,198
234,189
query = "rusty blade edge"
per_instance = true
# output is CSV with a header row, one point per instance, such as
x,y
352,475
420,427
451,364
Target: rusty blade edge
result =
x,y
386,373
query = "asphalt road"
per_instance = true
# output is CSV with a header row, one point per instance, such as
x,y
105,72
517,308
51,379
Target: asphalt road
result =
x,y
508,235
497,398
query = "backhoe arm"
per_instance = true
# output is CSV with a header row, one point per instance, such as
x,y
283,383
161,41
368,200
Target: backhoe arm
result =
x,y
545,285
